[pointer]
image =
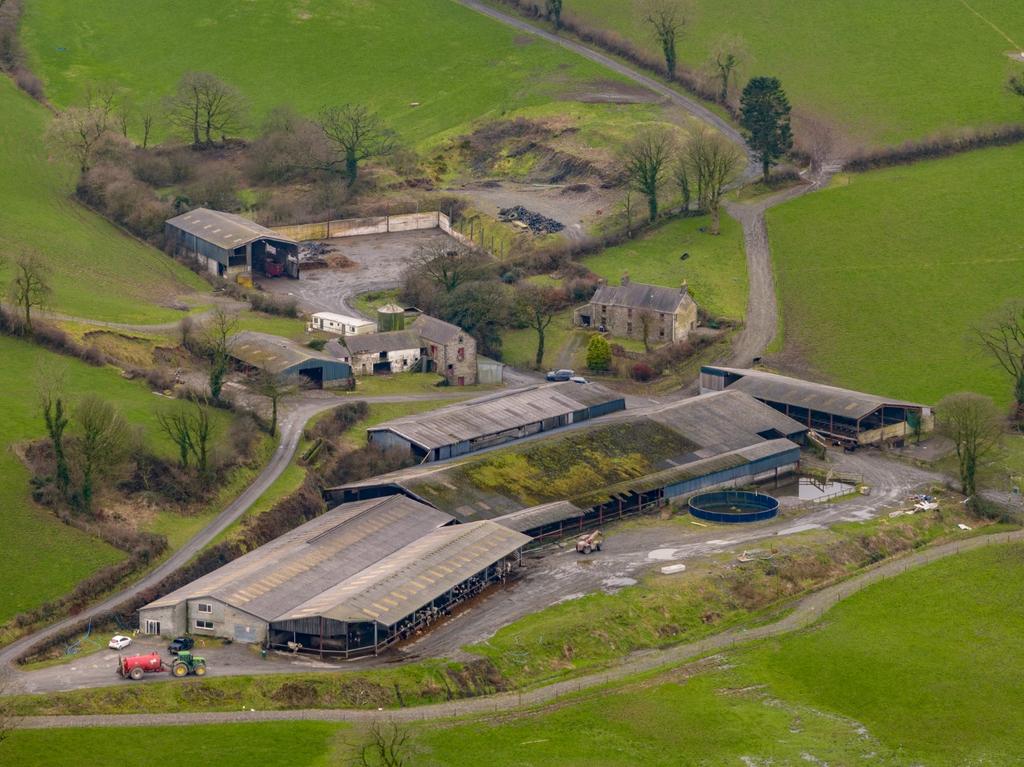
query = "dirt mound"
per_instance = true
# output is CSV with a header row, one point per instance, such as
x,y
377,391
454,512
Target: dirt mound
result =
x,y
537,223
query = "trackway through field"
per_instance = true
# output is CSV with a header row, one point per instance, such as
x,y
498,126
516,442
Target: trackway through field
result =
x,y
805,612
762,311
293,420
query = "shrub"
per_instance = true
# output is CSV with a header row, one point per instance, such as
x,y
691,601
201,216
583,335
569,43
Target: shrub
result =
x,y
284,306
317,343
599,353
642,372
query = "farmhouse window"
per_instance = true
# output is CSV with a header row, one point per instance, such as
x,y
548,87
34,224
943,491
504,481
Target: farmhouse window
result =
x,y
461,354
204,625
204,607
629,327
433,350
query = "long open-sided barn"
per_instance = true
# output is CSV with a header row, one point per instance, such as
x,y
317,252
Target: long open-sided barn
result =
x,y
347,583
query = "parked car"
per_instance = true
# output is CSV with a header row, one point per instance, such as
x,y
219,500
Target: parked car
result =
x,y
579,379
179,644
560,375
119,642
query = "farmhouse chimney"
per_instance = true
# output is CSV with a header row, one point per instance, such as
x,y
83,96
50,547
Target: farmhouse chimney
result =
x,y
624,280
684,288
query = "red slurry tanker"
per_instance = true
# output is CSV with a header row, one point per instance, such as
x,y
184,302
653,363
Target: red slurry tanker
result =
x,y
134,666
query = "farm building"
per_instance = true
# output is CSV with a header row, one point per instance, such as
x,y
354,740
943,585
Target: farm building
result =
x,y
227,244
838,414
639,311
261,351
488,371
624,463
379,353
347,583
342,324
427,345
447,349
495,419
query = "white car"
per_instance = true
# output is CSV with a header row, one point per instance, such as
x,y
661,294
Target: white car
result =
x,y
119,642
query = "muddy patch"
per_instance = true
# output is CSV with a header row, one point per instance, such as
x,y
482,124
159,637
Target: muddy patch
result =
x,y
611,92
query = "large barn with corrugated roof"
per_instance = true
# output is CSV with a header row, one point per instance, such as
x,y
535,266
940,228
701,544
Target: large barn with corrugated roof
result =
x,y
227,244
348,583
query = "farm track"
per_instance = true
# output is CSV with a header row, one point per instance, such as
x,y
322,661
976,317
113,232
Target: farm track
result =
x,y
762,310
292,422
805,612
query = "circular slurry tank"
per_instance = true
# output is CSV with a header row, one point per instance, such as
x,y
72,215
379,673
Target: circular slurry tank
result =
x,y
733,506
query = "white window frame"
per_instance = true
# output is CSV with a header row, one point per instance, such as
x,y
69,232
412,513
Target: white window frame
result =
x,y
199,625
204,607
152,624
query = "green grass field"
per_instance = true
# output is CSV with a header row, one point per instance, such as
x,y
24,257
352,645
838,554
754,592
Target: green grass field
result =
x,y
885,71
716,270
303,744
921,669
97,271
882,276
454,66
45,558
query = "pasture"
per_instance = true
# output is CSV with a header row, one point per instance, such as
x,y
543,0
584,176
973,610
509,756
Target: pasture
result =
x,y
715,269
455,65
884,71
882,275
96,270
45,558
869,684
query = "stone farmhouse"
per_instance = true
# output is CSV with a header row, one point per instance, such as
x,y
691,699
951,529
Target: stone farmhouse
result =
x,y
635,310
427,345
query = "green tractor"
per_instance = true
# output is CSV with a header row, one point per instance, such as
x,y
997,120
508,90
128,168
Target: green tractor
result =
x,y
186,663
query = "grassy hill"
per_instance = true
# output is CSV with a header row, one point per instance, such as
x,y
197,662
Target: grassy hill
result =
x,y
44,558
97,271
882,275
886,71
427,66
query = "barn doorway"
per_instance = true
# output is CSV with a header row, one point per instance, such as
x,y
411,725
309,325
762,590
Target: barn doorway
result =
x,y
314,377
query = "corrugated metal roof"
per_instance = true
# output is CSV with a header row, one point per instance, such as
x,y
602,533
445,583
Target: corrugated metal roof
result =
x,y
414,576
497,413
225,230
536,516
637,295
807,394
437,330
694,469
276,354
724,420
375,343
314,557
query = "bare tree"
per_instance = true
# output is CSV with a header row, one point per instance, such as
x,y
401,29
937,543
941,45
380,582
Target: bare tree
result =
x,y
30,287
667,19
975,426
387,745
645,162
77,132
627,209
1002,335
218,334
147,118
102,440
537,307
681,175
274,387
204,107
713,162
447,265
646,318
818,138
176,424
727,55
52,404
356,134
201,435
